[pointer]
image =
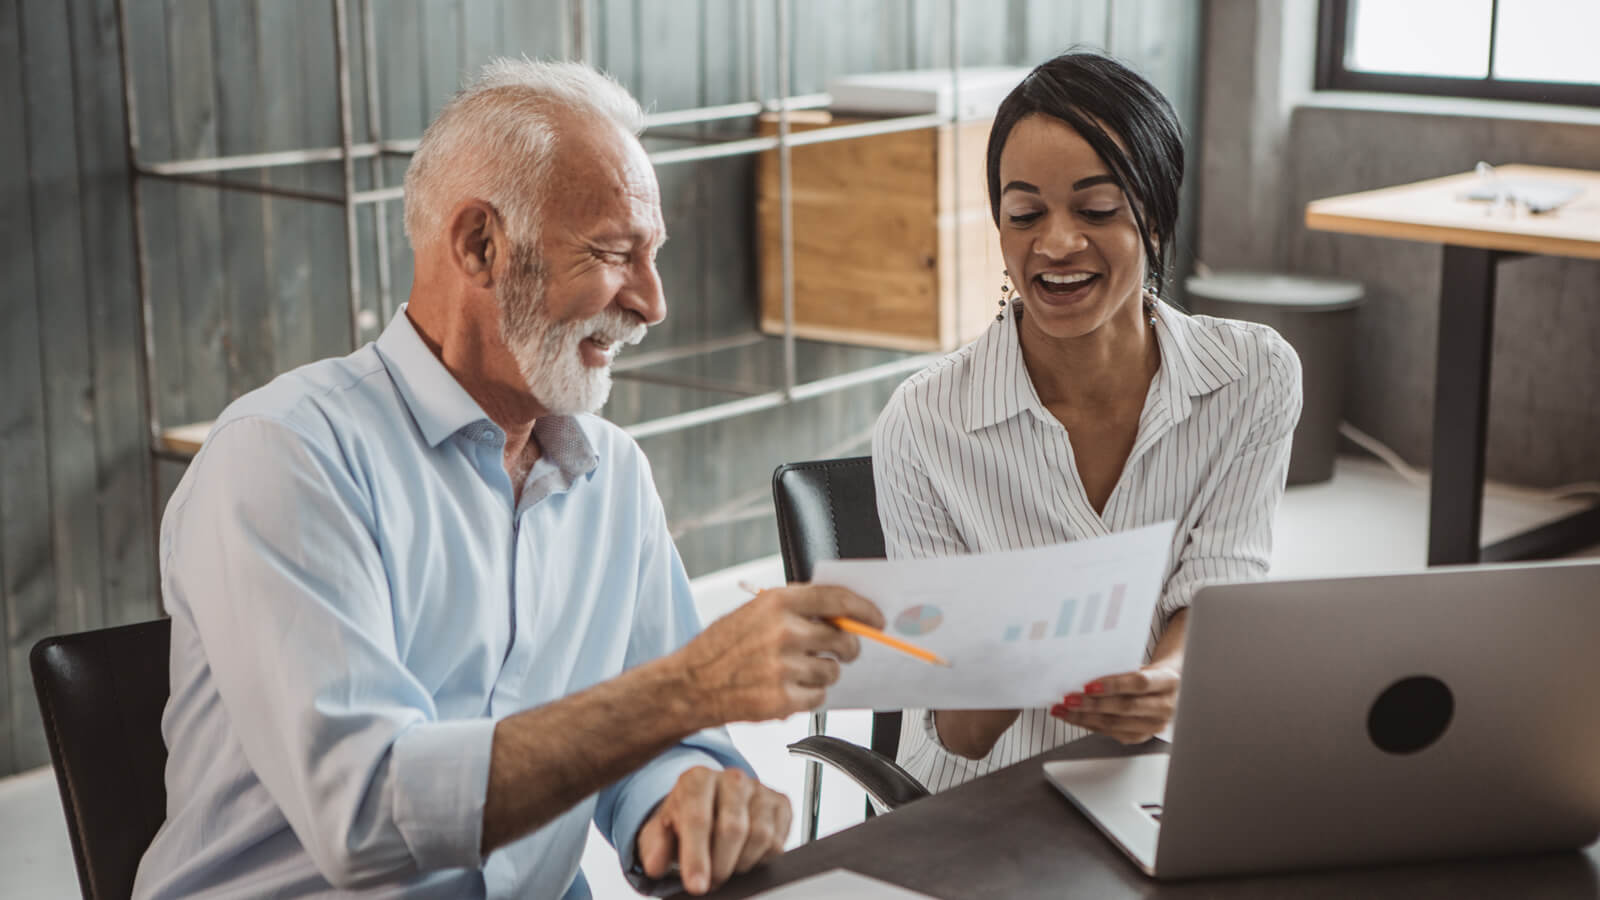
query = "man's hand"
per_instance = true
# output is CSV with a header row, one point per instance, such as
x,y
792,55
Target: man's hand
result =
x,y
1130,707
774,656
713,824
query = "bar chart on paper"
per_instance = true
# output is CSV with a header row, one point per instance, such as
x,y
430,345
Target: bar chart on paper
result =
x,y
1020,628
1073,617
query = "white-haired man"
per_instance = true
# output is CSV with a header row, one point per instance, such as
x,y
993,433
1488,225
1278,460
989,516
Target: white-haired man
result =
x,y
427,620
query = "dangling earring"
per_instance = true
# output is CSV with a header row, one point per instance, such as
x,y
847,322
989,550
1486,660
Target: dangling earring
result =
x,y
1150,300
1005,296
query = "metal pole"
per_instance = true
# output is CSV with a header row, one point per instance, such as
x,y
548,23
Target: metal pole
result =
x,y
729,111
205,165
248,187
380,212
141,257
578,33
785,198
752,43
341,57
811,791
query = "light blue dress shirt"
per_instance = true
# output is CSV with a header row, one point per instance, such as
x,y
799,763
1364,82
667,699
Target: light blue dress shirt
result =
x,y
356,599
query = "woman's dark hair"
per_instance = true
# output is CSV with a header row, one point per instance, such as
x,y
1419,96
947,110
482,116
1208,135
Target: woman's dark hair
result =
x,y
1100,97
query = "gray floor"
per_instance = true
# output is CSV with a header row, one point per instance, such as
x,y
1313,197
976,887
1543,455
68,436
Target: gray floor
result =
x,y
1366,520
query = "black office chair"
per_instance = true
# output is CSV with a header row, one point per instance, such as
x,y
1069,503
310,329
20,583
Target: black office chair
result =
x,y
827,509
101,694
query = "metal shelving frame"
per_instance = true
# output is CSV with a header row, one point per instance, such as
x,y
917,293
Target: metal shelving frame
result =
x,y
205,172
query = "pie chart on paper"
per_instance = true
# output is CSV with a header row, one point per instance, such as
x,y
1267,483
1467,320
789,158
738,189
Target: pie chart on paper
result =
x,y
919,619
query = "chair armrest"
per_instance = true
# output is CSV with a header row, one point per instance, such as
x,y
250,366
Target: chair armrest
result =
x,y
889,786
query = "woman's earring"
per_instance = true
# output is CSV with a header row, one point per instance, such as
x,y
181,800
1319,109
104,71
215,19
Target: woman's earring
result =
x,y
1150,306
1005,296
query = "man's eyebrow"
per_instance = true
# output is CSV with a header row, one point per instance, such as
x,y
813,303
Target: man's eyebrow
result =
x,y
630,237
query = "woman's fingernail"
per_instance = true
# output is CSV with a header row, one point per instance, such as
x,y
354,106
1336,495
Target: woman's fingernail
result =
x,y
1059,711
1072,701
1094,687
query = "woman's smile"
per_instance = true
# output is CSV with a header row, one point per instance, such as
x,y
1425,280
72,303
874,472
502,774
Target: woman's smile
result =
x,y
1062,288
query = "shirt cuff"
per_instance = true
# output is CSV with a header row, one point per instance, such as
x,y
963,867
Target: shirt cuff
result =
x,y
645,790
441,780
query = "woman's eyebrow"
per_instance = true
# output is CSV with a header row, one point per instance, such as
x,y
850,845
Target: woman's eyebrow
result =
x,y
1078,185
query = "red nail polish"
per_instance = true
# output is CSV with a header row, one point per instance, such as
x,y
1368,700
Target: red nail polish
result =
x,y
1094,687
1073,701
1059,711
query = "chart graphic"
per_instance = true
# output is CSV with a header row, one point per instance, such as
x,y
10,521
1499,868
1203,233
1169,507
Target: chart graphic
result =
x,y
919,619
1072,617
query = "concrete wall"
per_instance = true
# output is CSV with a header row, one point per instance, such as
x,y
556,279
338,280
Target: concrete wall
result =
x,y
1270,145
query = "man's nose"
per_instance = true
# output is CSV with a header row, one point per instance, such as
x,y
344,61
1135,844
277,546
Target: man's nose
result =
x,y
643,295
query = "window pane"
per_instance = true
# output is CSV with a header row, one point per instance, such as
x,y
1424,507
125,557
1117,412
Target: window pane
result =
x,y
1420,37
1548,40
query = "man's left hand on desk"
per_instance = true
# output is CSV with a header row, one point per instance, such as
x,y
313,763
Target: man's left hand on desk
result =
x,y
713,824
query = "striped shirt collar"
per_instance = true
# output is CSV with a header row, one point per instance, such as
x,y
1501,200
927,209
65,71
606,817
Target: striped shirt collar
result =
x,y
1193,363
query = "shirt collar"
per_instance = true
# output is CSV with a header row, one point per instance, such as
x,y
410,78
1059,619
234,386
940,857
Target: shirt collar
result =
x,y
438,403
441,407
1193,363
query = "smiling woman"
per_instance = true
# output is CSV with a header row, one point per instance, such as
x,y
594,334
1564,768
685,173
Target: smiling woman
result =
x,y
1090,406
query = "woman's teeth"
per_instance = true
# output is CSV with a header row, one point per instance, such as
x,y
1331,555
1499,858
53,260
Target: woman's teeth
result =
x,y
1065,284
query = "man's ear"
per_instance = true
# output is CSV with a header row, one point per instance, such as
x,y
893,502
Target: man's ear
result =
x,y
475,238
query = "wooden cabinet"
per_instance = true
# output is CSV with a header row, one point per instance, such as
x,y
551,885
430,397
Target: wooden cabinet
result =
x,y
877,227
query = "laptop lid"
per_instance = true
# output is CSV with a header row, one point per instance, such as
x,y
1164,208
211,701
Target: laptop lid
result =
x,y
1399,717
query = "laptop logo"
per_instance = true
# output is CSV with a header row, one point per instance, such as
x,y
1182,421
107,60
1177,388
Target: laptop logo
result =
x,y
1410,714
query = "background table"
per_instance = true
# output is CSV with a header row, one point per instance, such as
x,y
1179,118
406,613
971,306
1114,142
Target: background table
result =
x,y
1475,241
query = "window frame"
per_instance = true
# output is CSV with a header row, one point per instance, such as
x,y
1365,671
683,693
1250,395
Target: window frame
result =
x,y
1333,34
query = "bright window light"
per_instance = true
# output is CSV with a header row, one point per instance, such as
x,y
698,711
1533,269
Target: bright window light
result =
x,y
1548,40
1423,37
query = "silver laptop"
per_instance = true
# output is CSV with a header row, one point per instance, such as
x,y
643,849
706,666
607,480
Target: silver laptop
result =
x,y
1445,713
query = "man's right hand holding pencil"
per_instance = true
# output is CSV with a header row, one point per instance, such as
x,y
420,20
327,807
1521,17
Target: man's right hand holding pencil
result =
x,y
777,654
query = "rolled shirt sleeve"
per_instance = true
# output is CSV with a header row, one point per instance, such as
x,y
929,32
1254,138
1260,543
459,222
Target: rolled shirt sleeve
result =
x,y
1231,539
664,620
274,560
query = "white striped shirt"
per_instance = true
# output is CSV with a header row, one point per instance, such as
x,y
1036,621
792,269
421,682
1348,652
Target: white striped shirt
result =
x,y
967,460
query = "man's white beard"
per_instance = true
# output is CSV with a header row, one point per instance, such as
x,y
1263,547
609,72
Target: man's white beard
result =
x,y
547,350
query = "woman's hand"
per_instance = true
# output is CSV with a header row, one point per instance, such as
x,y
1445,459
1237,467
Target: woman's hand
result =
x,y
1130,707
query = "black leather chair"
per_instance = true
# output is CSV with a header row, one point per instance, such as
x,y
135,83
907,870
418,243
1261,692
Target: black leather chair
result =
x,y
101,694
827,509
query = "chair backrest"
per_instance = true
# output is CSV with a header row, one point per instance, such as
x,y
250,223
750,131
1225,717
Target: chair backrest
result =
x,y
101,694
828,509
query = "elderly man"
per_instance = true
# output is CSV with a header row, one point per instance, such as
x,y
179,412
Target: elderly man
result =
x,y
427,620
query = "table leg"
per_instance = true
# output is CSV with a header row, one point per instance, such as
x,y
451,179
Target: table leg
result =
x,y
1461,404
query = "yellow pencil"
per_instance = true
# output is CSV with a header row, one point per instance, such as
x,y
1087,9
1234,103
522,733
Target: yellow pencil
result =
x,y
873,634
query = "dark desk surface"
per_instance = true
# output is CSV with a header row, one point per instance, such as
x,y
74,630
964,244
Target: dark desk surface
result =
x,y
1012,835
